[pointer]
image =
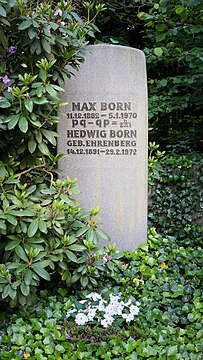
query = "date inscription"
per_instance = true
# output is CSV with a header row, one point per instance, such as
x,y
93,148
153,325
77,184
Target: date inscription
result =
x,y
101,128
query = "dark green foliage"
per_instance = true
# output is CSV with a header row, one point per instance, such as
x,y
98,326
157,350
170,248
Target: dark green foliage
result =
x,y
119,23
175,205
173,45
171,35
37,42
44,233
167,281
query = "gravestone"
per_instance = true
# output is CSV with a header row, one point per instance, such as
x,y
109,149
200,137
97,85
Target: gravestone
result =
x,y
103,129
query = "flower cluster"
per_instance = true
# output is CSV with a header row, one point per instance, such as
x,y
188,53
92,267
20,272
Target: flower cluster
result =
x,y
58,13
95,308
12,49
107,258
5,80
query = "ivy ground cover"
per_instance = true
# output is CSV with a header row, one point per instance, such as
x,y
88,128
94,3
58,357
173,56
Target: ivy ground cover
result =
x,y
161,282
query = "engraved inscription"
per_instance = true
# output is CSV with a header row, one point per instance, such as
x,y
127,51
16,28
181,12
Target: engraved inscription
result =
x,y
101,128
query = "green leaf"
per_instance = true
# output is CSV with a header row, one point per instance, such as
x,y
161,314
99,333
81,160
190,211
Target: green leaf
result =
x,y
28,105
13,120
81,231
32,145
42,226
20,339
12,244
33,227
75,278
12,180
160,27
172,350
36,24
84,281
12,293
20,268
90,235
53,25
144,247
5,292
39,91
35,240
51,91
110,265
24,25
13,237
50,191
160,37
2,172
25,289
46,46
63,265
3,216
23,124
75,15
71,255
22,213
76,247
28,277
32,33
50,136
93,281
21,253
38,136
163,82
131,345
60,348
102,234
41,272
2,11
179,9
45,263
70,240
43,148
40,101
4,104
2,225
67,200
142,15
158,51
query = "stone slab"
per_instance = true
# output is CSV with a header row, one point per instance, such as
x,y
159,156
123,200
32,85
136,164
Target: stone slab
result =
x,y
103,129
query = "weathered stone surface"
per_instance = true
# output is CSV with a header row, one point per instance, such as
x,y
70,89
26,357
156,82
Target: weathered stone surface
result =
x,y
104,130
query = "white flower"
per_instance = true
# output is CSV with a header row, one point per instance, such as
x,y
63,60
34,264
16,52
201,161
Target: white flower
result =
x,y
82,301
94,307
104,323
114,299
134,310
107,321
58,12
110,309
127,317
70,312
95,296
100,306
119,309
81,319
91,314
